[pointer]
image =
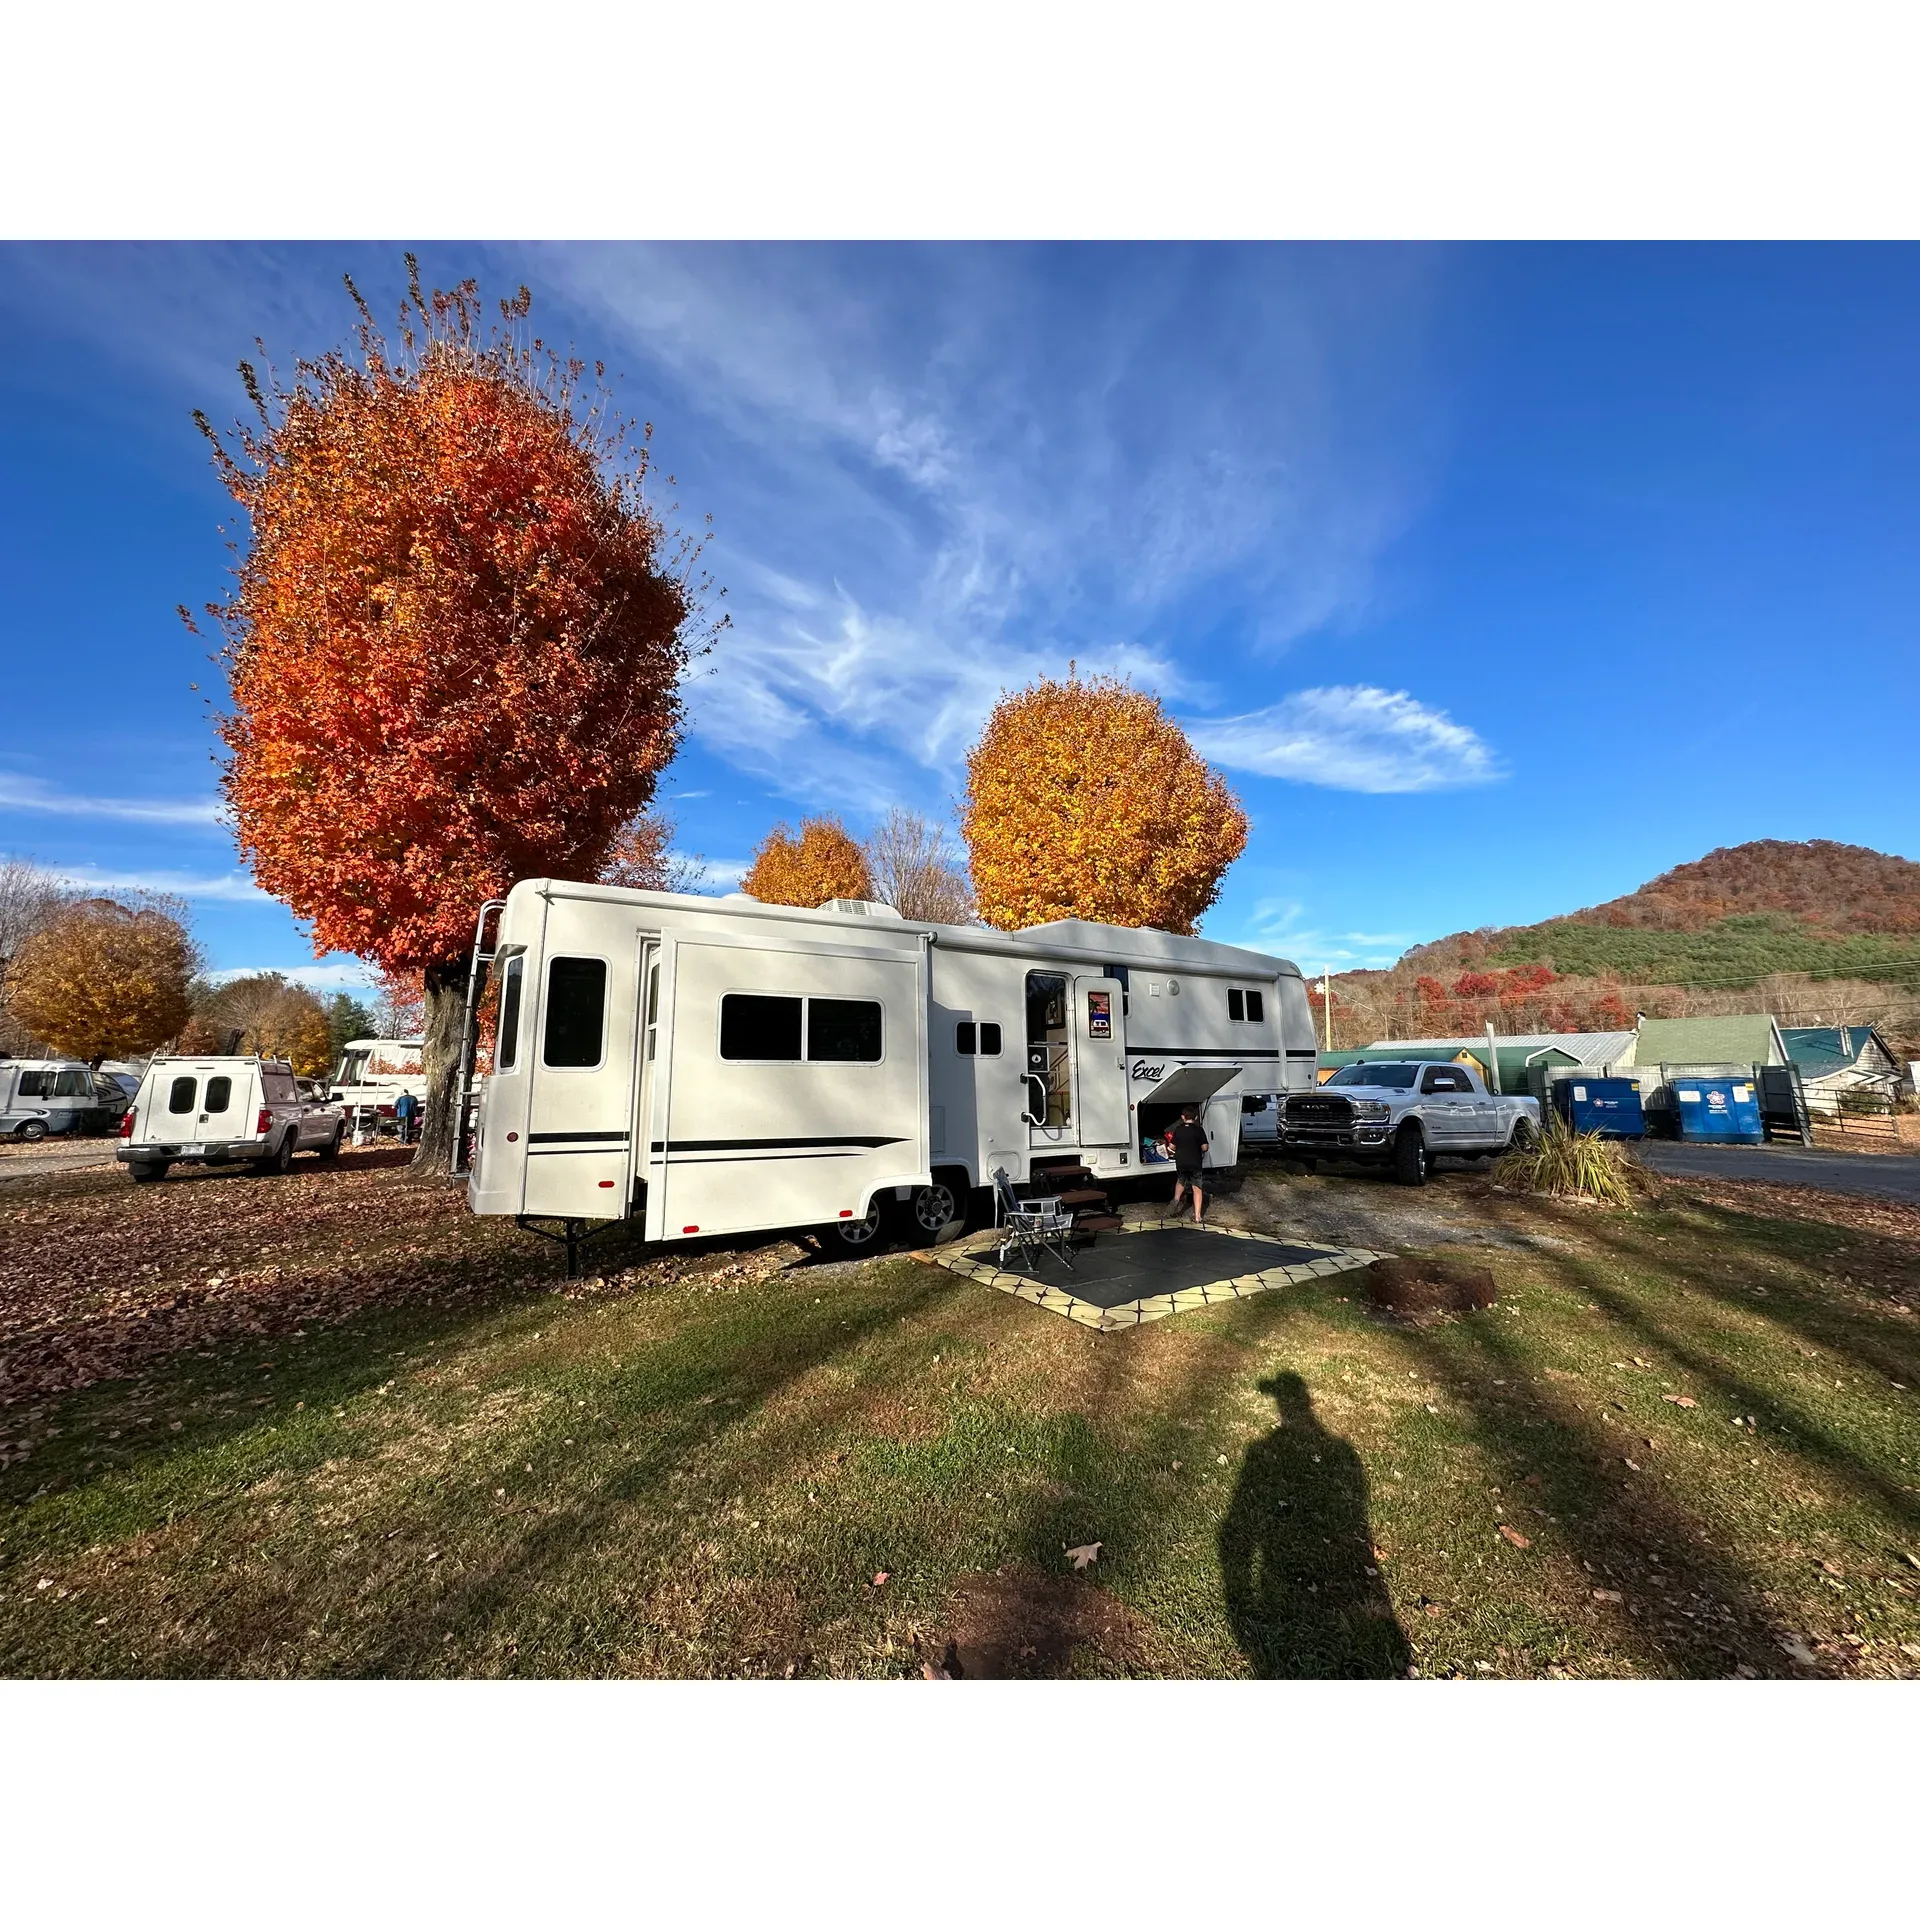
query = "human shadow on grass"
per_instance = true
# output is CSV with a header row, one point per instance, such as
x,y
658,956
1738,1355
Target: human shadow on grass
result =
x,y
1304,1594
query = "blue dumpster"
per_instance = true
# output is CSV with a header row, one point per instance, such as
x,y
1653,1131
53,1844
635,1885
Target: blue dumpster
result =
x,y
1601,1105
1717,1110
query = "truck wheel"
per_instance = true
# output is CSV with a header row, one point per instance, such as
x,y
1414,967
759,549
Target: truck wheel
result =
x,y
1410,1156
331,1145
30,1130
1522,1139
858,1234
146,1172
281,1159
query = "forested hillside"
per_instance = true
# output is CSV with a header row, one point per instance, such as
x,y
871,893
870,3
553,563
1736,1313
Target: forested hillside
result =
x,y
1816,932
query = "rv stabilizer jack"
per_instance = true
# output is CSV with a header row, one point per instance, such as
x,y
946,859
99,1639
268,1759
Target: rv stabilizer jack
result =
x,y
573,1236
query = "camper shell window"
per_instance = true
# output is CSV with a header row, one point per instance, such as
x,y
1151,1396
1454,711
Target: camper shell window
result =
x,y
180,1094
219,1093
506,1052
576,1011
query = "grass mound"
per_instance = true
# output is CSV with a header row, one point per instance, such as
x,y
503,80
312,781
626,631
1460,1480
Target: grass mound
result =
x,y
1574,1166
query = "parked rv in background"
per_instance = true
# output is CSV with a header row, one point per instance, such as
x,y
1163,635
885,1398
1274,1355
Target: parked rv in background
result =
x,y
371,1076
719,1066
42,1097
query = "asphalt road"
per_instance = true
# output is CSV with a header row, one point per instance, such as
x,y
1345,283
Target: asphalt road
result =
x,y
1892,1176
17,1163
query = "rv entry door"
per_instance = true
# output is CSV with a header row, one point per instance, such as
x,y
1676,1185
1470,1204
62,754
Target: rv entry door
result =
x,y
1100,1048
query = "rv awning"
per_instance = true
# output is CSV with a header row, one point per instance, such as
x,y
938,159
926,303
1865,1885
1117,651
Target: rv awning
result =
x,y
1188,1085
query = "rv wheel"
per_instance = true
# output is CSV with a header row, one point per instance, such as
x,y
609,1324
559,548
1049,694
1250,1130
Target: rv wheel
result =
x,y
860,1232
30,1130
934,1208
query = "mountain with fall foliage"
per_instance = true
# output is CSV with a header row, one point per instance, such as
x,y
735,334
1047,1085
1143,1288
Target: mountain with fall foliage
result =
x,y
1815,932
1733,919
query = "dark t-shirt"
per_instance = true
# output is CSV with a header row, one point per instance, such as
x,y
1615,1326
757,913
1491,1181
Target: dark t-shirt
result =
x,y
1189,1144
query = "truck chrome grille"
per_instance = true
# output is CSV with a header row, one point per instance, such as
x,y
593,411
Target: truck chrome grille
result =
x,y
1318,1110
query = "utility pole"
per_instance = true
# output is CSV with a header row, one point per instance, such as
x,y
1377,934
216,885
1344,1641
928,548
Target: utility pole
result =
x,y
1326,1006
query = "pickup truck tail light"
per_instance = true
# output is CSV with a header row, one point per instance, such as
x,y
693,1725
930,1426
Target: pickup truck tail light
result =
x,y
265,1120
126,1125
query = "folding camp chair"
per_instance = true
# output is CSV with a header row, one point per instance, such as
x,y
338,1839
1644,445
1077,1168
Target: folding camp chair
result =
x,y
1030,1226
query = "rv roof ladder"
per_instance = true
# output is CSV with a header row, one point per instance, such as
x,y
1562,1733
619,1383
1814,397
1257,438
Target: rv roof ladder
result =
x,y
469,1034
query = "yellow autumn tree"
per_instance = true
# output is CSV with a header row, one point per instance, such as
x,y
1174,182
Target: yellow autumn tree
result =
x,y
1084,800
102,980
822,861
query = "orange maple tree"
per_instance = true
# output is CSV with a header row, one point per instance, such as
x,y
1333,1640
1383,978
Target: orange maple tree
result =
x,y
822,861
1085,800
455,643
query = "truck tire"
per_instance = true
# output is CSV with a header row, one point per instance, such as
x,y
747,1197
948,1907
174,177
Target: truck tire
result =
x,y
280,1160
1521,1140
1410,1155
329,1147
145,1172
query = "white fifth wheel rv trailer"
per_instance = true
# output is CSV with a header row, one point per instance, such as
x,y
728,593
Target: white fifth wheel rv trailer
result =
x,y
721,1066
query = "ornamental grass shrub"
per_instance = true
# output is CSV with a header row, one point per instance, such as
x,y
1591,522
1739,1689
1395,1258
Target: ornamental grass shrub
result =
x,y
1574,1166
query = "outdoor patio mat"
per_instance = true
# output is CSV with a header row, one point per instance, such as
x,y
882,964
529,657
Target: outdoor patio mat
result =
x,y
1148,1269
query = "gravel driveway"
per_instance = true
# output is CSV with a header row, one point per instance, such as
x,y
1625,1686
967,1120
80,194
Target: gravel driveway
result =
x,y
1893,1176
54,1156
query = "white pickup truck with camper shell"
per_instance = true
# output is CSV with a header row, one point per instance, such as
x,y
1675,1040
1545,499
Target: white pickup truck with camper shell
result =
x,y
206,1108
1402,1113
722,1066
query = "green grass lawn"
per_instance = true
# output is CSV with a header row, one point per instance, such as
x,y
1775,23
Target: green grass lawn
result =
x,y
705,1477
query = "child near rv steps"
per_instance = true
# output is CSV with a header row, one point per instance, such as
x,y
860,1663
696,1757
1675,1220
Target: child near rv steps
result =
x,y
1188,1139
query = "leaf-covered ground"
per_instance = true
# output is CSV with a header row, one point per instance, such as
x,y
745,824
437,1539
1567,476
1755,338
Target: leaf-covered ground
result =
x,y
332,1425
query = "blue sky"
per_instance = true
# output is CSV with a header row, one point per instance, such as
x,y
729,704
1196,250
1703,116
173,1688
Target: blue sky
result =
x,y
1498,579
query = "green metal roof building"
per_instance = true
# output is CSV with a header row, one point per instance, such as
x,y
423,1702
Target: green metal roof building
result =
x,y
1742,1040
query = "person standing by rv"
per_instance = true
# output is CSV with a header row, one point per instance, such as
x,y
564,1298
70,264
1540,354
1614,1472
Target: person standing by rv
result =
x,y
404,1108
1188,1139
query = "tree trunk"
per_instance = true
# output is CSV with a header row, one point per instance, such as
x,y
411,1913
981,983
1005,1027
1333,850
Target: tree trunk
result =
x,y
446,1002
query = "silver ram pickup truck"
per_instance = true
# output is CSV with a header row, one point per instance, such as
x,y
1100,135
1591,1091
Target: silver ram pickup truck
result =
x,y
1403,1112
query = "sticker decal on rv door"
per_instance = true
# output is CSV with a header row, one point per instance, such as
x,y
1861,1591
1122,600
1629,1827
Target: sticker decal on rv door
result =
x,y
1099,1014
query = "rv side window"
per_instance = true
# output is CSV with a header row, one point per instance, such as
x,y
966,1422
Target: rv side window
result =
x,y
219,1093
1236,1004
989,1036
759,1026
180,1095
1256,1005
576,1011
506,1049
966,1037
843,1029
73,1080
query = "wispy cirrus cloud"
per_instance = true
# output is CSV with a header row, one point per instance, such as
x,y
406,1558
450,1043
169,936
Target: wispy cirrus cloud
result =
x,y
326,976
21,793
187,886
1363,739
938,472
